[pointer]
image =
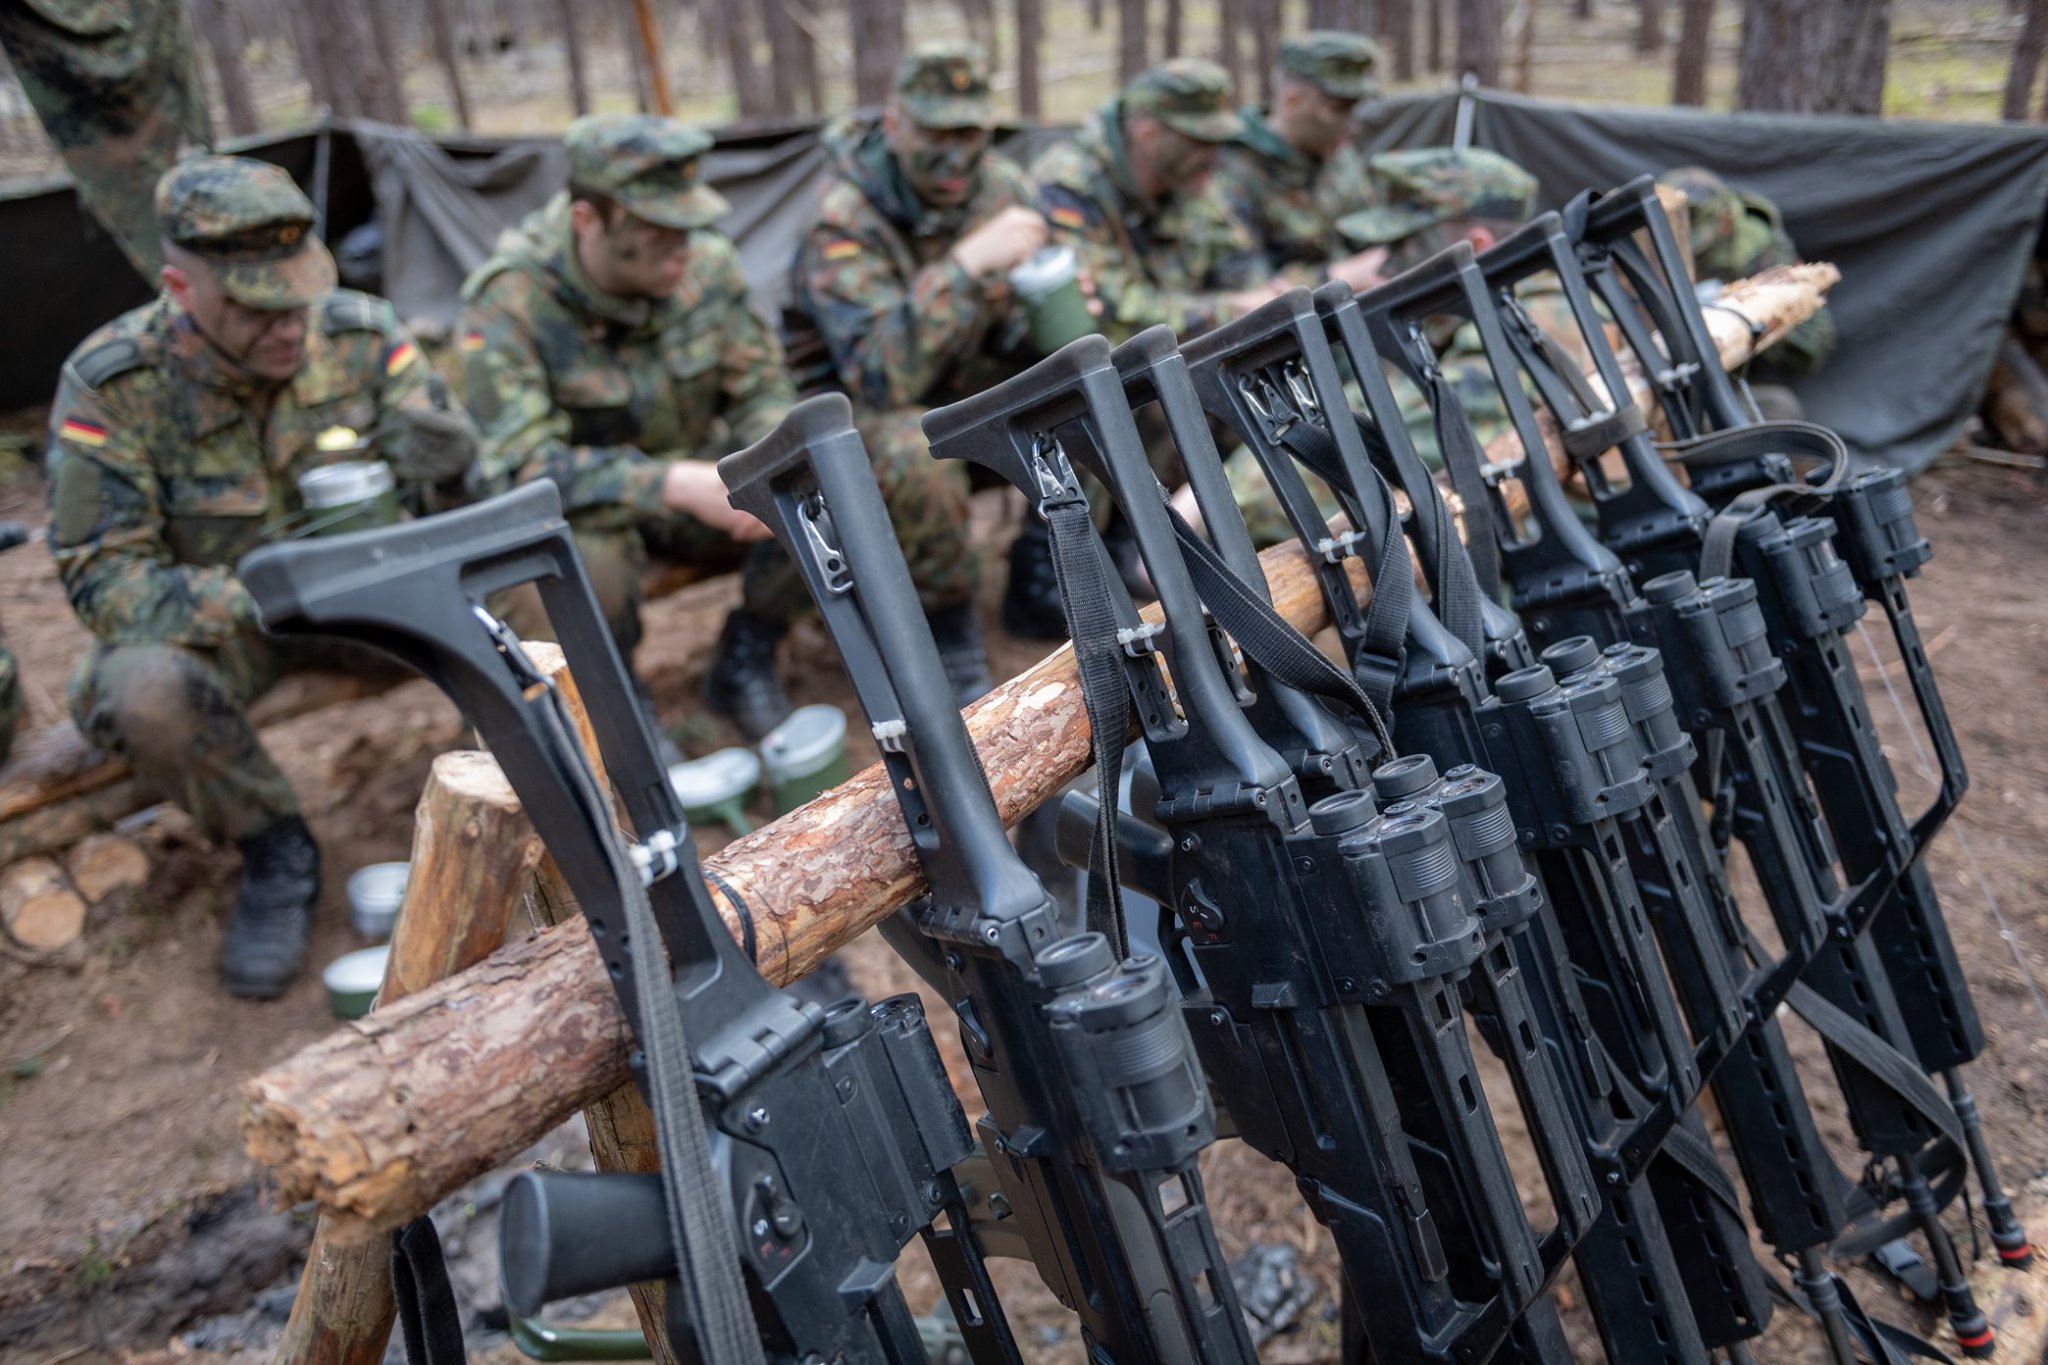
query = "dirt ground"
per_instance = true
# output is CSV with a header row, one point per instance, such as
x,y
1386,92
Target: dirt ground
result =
x,y
127,1208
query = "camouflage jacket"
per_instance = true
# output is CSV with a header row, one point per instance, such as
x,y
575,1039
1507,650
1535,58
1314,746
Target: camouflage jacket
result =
x,y
598,392
1750,237
1152,263
904,324
166,467
1290,202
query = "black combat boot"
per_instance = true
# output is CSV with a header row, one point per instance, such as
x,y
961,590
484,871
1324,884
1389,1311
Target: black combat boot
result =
x,y
266,940
742,684
957,632
1031,602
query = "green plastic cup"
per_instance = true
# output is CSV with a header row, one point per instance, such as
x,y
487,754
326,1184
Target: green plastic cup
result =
x,y
716,787
1049,287
349,495
805,755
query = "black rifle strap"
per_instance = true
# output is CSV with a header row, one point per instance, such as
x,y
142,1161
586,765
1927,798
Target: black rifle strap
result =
x,y
1694,1154
1267,636
1385,628
1803,442
1884,1342
1464,460
1867,1230
1457,601
1078,566
429,1320
1897,1072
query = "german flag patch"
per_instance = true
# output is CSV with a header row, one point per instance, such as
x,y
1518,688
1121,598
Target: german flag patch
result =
x,y
1068,217
401,356
841,249
83,432
472,340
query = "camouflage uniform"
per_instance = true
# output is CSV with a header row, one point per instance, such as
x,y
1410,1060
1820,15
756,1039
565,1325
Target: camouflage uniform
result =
x,y
1736,233
1170,262
600,393
1289,200
116,88
168,462
903,326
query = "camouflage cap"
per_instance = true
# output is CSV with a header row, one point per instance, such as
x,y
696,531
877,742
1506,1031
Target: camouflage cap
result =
x,y
1434,185
649,164
1711,207
946,86
1188,95
249,222
1343,66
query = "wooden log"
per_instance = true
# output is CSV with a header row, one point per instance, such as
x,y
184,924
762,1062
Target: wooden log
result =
x,y
107,868
378,1121
38,906
473,857
2016,400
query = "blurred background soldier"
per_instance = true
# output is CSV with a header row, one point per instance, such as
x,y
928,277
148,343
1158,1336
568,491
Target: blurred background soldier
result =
x,y
900,286
1294,171
177,435
609,345
1736,233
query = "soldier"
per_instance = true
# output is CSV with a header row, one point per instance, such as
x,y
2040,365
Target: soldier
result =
x,y
1131,193
177,435
1292,174
12,533
900,288
1736,233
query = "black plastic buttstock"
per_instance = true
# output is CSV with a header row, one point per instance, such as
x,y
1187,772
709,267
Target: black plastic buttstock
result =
x,y
1241,339
1027,393
1524,252
1433,286
293,581
788,446
1622,210
567,1233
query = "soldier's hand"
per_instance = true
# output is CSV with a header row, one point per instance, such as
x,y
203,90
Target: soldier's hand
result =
x,y
1002,243
1363,271
693,487
433,445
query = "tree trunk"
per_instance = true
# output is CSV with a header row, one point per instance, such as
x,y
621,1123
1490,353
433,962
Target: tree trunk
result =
x,y
215,27
1853,62
1229,53
1582,9
1479,40
473,858
1782,43
384,90
572,46
877,47
793,60
1176,24
1525,48
1396,32
316,29
495,1057
1130,39
1650,26
444,49
736,35
1030,34
646,37
980,17
1095,16
1265,17
1435,9
2026,62
1695,44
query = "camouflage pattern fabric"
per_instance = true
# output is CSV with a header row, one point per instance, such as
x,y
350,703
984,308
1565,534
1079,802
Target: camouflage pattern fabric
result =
x,y
1187,94
252,224
167,464
1423,188
648,163
945,85
1736,233
1171,262
1344,66
1290,201
903,322
116,88
10,699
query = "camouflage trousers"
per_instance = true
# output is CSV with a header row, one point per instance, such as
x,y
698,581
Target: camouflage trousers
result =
x,y
10,700
180,717
927,502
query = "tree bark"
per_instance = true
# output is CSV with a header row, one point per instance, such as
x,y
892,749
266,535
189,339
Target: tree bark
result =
x,y
214,26
793,60
1695,44
1095,15
980,17
1582,9
1649,26
1782,46
2026,62
1479,39
473,859
443,30
1853,67
1525,48
1030,35
384,90
736,36
1229,52
1397,35
1130,39
1175,28
570,19
877,48
1265,19
1435,10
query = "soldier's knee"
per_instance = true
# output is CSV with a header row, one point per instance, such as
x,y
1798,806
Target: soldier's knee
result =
x,y
151,698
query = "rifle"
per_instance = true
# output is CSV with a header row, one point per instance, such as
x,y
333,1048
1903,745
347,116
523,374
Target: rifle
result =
x,y
801,1147
1097,1110
1318,951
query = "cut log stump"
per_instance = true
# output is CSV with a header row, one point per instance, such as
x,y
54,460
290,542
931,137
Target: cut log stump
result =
x,y
38,906
108,870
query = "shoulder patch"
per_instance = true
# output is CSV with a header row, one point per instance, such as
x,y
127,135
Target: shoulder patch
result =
x,y
108,359
840,250
349,311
